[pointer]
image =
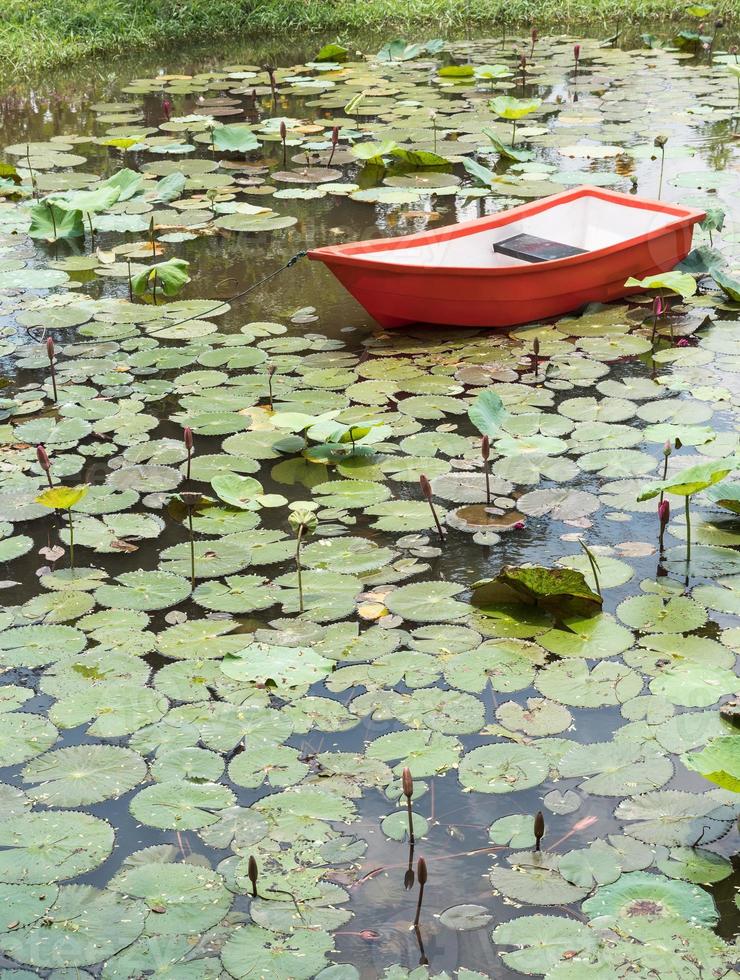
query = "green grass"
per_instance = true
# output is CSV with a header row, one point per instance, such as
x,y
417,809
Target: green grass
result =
x,y
39,34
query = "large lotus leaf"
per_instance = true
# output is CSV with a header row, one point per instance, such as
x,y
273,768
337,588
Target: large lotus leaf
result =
x,y
693,684
698,865
238,594
36,646
449,712
24,735
42,847
640,893
692,479
226,556
537,718
560,590
279,667
180,804
619,768
253,949
562,505
487,412
144,591
24,904
425,753
507,664
276,766
571,682
427,602
237,137
85,925
543,941
653,614
50,222
185,898
674,817
327,596
83,774
342,494
503,768
348,555
414,669
403,515
168,957
199,639
719,761
534,879
593,637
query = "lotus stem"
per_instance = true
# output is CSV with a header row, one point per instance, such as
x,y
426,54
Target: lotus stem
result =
x,y
594,565
270,372
53,219
539,829
298,567
90,226
485,450
426,489
513,132
334,142
409,877
34,186
130,284
283,137
192,549
154,288
421,874
189,443
71,540
151,238
687,511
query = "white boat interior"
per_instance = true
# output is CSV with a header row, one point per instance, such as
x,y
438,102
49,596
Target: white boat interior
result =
x,y
587,223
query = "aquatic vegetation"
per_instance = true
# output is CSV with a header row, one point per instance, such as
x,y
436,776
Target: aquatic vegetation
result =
x,y
310,558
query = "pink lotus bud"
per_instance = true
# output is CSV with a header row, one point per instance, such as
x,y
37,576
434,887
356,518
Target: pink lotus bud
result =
x,y
167,109
335,136
664,513
407,782
683,342
426,487
577,52
188,438
43,457
283,131
50,348
519,526
667,448
485,448
658,306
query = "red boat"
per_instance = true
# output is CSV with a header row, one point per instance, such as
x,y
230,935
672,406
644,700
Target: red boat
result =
x,y
532,262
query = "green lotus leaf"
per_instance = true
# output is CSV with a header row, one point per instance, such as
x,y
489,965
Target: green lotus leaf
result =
x,y
279,667
534,879
52,846
651,895
236,137
426,602
50,222
692,479
544,941
180,804
503,768
83,774
296,957
718,761
144,591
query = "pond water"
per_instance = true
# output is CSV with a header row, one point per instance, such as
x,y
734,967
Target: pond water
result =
x,y
156,738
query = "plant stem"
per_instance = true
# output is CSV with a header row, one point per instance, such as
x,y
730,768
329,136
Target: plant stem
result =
x,y
418,904
154,288
513,132
662,162
53,378
688,528
71,541
298,568
487,471
130,284
53,219
412,838
90,226
192,543
34,188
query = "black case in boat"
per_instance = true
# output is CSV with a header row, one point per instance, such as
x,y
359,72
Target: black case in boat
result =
x,y
530,248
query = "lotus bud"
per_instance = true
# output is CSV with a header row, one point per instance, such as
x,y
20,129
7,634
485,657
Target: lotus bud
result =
x,y
667,449
335,136
283,131
407,781
188,438
658,306
536,347
408,879
43,458
50,348
485,448
270,369
519,526
535,34
167,109
523,61
683,342
539,829
190,500
664,514
252,873
660,141
426,487
421,872
577,52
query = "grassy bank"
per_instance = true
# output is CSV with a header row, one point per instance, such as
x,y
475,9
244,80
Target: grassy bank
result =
x,y
36,34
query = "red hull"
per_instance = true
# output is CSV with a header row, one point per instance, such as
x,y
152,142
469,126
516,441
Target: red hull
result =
x,y
398,294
